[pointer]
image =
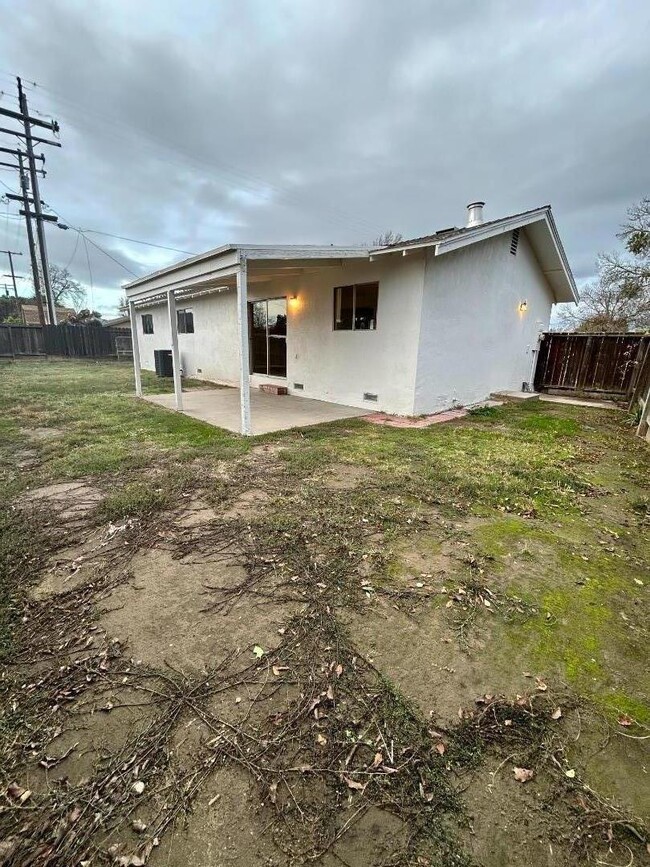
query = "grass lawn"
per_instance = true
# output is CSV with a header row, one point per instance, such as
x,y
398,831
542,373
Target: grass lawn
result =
x,y
346,641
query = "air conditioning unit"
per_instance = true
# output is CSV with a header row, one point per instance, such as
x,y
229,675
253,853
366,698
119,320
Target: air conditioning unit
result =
x,y
163,362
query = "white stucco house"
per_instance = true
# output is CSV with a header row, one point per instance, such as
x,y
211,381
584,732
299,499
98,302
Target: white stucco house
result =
x,y
410,328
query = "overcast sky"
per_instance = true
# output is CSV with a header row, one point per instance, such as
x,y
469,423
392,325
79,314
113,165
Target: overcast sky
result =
x,y
191,124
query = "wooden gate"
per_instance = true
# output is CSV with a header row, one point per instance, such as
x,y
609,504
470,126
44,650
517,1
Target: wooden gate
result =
x,y
603,365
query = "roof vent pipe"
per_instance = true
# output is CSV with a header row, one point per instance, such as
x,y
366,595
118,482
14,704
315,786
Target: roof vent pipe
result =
x,y
474,214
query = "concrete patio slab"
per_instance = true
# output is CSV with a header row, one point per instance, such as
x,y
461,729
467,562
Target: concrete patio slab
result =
x,y
269,412
576,401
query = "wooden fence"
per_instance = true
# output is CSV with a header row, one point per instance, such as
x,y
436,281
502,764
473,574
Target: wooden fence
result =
x,y
603,365
69,341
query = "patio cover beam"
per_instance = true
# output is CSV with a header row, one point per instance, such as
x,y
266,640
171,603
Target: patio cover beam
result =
x,y
176,357
135,343
244,361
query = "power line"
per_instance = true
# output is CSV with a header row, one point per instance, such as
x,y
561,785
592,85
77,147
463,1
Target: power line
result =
x,y
136,241
252,181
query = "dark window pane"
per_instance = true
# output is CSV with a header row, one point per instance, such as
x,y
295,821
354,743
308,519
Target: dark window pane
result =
x,y
343,302
189,322
365,308
147,323
258,323
277,356
277,316
258,337
180,321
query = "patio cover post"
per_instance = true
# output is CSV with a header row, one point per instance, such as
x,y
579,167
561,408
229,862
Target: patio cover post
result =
x,y
135,344
176,358
244,362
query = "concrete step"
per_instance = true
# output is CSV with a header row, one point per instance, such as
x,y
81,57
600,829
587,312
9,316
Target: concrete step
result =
x,y
270,388
517,396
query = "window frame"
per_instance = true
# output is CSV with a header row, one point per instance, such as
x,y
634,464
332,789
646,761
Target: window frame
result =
x,y
354,287
181,317
148,328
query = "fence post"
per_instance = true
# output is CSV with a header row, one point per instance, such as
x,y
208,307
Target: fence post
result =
x,y
12,348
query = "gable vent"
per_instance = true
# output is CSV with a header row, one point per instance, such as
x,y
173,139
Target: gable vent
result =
x,y
299,386
369,396
514,242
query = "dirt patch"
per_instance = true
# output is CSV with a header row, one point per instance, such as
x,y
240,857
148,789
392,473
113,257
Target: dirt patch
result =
x,y
224,828
420,655
68,500
72,566
90,734
161,613
248,505
510,824
42,434
197,513
372,839
344,477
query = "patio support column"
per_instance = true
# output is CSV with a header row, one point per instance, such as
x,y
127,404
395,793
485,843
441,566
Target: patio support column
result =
x,y
176,357
135,344
244,362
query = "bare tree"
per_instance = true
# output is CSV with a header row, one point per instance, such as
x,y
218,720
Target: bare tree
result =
x,y
387,238
620,299
65,289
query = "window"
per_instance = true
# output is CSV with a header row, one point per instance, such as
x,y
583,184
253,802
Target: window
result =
x,y
268,336
185,321
147,323
355,307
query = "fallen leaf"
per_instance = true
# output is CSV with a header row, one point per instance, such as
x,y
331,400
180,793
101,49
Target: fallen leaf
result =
x,y
507,722
339,670
523,775
277,669
440,748
377,760
570,773
321,740
541,686
625,720
354,784
258,651
74,814
138,787
557,713
330,692
273,791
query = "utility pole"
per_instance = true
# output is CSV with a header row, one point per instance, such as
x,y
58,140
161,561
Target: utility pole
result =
x,y
33,176
10,254
24,187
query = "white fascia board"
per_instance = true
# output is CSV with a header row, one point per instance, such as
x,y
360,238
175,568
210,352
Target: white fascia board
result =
x,y
193,260
303,252
198,281
253,251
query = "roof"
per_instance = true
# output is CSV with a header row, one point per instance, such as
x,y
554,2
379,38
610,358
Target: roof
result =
x,y
209,269
453,232
541,232
30,313
118,322
260,251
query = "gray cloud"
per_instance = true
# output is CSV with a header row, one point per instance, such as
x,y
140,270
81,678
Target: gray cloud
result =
x,y
192,124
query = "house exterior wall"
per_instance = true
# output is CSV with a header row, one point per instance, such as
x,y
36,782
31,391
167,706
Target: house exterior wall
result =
x,y
211,352
337,366
473,338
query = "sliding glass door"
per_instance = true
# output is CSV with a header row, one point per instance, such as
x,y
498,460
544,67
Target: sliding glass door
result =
x,y
268,330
